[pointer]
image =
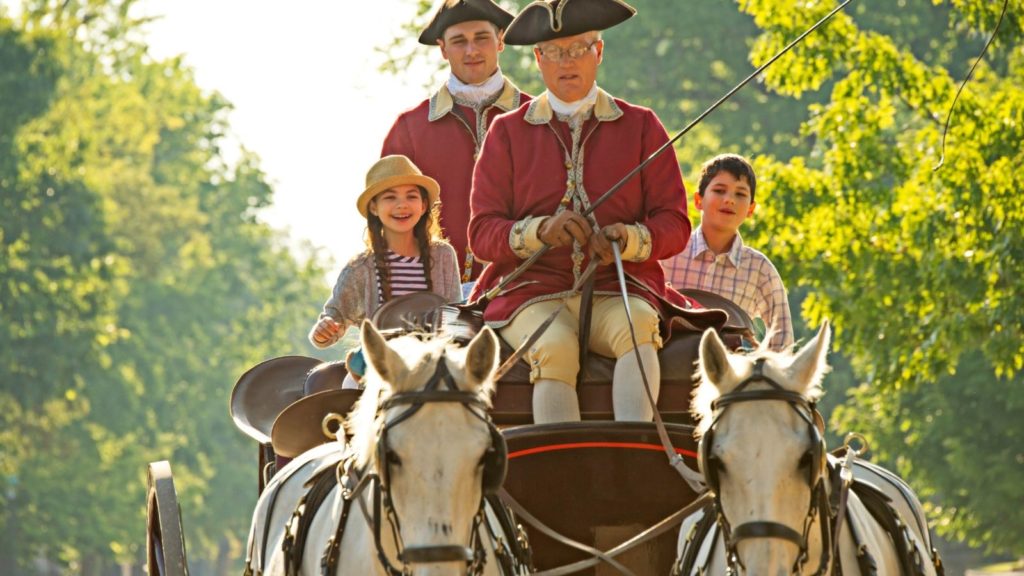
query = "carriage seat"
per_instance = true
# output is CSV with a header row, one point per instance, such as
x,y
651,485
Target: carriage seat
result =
x,y
513,402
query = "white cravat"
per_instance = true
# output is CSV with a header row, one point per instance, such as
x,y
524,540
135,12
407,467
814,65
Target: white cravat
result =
x,y
476,94
579,108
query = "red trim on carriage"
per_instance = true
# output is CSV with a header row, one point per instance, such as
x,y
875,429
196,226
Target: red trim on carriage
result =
x,y
575,445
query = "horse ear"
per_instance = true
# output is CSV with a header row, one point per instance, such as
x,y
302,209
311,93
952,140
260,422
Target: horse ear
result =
x,y
810,364
378,354
714,358
482,356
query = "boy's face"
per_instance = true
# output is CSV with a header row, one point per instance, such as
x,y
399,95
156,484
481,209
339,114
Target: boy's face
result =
x,y
471,49
726,202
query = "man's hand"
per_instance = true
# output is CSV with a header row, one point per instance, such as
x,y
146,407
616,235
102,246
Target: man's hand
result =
x,y
562,228
601,242
325,330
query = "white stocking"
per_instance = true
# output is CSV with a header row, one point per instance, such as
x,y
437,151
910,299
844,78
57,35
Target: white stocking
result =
x,y
629,399
554,401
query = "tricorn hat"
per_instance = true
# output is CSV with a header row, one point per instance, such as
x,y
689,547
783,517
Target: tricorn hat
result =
x,y
544,20
265,390
395,170
451,12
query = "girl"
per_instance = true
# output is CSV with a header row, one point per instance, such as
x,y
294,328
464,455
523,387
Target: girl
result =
x,y
404,250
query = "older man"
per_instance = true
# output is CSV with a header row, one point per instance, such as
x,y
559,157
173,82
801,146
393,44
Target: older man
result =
x,y
540,168
443,134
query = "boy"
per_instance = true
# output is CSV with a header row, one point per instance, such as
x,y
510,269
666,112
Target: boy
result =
x,y
716,260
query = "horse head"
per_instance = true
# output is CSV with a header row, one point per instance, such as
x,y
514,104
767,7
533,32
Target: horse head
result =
x,y
761,449
422,428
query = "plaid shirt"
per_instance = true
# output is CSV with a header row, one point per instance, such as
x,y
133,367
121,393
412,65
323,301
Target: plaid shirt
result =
x,y
743,275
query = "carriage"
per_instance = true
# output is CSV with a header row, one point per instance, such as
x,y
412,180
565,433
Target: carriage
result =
x,y
593,497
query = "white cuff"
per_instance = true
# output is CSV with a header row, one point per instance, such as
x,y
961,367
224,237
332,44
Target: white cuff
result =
x,y
523,237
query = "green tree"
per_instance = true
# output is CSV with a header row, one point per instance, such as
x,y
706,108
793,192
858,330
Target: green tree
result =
x,y
915,266
136,285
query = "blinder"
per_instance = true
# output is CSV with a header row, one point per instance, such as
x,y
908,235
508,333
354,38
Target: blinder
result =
x,y
495,462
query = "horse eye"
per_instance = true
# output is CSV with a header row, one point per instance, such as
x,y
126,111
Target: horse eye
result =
x,y
487,453
392,458
805,460
718,465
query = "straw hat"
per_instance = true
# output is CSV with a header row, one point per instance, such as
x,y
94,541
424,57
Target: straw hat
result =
x,y
391,171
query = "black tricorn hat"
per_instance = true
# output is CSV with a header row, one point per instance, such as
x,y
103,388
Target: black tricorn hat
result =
x,y
549,19
452,12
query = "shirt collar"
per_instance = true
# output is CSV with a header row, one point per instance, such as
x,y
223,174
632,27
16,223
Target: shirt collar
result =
x,y
605,109
442,102
699,245
476,93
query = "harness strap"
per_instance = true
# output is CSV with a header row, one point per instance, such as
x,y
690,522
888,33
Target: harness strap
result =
x,y
297,530
865,561
840,496
767,530
266,527
329,560
698,532
586,315
518,552
878,505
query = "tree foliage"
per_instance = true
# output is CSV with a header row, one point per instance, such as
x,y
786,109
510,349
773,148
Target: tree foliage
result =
x,y
136,285
915,266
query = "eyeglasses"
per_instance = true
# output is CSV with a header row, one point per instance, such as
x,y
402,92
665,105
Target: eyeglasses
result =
x,y
553,53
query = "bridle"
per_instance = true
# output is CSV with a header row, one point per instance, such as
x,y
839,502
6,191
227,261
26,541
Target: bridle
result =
x,y
818,505
440,388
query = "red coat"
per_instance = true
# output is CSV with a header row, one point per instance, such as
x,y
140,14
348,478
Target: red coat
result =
x,y
442,142
522,172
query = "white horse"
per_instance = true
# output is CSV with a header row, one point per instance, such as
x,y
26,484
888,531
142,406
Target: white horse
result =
x,y
764,460
423,453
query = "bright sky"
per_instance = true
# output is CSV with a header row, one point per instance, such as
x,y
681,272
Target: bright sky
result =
x,y
308,98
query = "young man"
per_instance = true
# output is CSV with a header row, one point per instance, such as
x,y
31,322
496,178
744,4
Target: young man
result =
x,y
540,168
717,260
443,134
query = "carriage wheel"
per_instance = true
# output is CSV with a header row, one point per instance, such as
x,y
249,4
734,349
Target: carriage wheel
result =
x,y
165,541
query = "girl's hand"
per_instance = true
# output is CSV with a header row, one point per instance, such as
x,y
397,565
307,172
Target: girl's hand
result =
x,y
326,329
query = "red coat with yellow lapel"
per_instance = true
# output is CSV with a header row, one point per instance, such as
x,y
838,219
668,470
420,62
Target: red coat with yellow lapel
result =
x,y
522,172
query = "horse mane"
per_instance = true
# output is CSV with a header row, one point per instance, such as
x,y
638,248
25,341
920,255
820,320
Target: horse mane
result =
x,y
777,367
421,352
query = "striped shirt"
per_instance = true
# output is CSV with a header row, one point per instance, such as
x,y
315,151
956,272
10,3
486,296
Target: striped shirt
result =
x,y
743,275
407,275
